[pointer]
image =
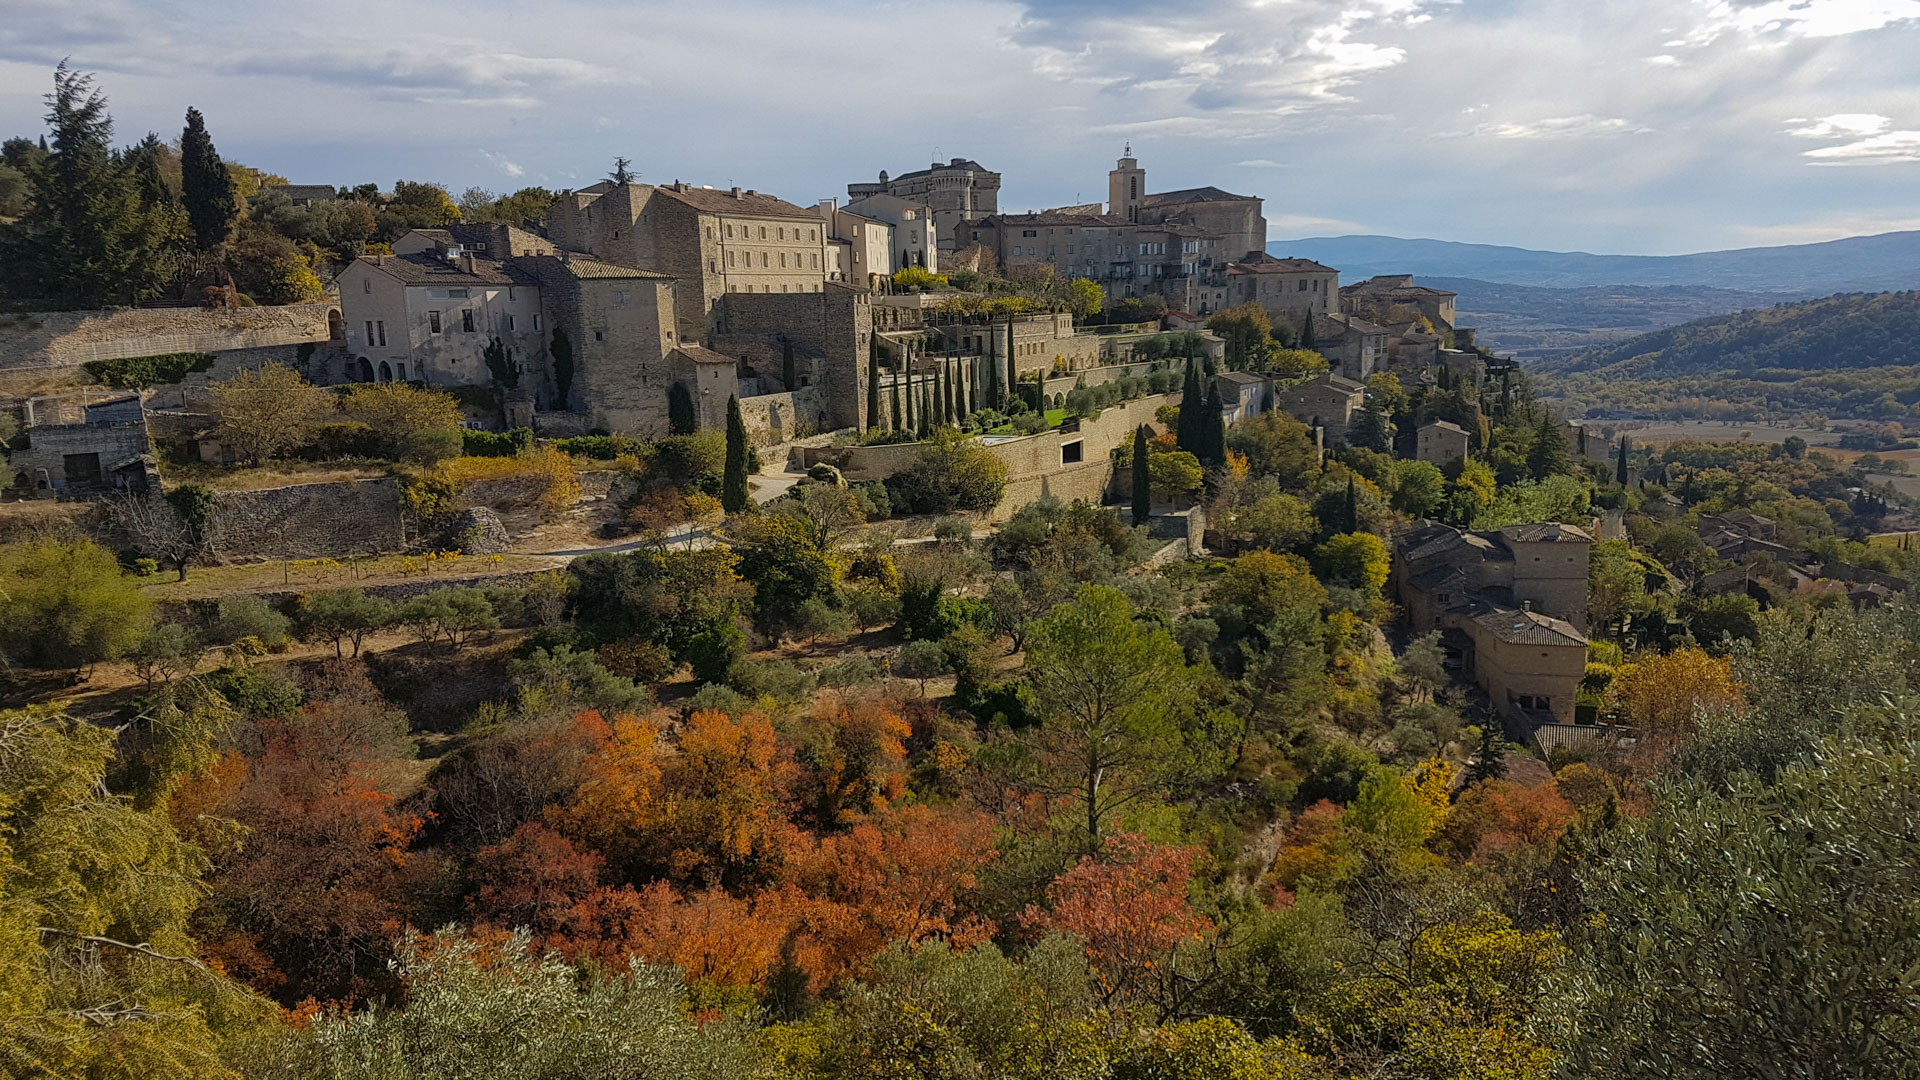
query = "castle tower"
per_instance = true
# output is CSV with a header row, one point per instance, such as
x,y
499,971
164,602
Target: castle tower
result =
x,y
1126,187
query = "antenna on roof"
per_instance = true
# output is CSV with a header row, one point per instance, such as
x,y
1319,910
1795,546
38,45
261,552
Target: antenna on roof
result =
x,y
1128,152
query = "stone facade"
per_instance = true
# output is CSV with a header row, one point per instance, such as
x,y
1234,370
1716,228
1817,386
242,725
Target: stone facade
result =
x,y
831,332
1327,401
712,243
1385,297
429,316
1288,289
914,236
107,450
957,191
620,324
1443,443
1354,347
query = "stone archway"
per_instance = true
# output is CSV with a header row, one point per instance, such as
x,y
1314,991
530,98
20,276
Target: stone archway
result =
x,y
336,326
386,372
366,370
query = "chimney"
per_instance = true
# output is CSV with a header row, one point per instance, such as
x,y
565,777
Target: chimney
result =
x,y
1526,605
736,193
466,263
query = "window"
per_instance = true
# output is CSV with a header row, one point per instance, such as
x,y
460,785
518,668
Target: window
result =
x,y
510,292
709,232
783,232
783,260
763,232
815,260
729,258
456,294
729,231
813,234
369,331
599,335
1029,232
536,322
433,322
466,320
510,326
381,326
763,257
1072,453
713,266
366,285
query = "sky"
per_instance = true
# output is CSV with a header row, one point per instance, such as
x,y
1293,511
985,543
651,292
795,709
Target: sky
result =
x,y
1617,126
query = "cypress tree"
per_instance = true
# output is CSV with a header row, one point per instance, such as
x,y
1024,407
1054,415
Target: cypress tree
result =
x,y
939,395
926,408
873,387
1306,332
1186,433
789,369
906,368
953,406
993,380
893,391
680,416
1215,428
733,482
1351,512
1142,478
1013,372
1620,467
206,187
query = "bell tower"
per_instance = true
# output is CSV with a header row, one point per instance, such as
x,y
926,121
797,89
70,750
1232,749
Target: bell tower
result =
x,y
1126,187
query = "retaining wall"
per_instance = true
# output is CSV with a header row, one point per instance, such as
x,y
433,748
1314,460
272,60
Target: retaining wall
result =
x,y
39,342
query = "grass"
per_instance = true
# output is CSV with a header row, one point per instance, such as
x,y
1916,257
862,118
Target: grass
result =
x,y
1054,418
271,475
215,581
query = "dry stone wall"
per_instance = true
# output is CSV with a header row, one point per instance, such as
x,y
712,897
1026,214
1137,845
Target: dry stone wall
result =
x,y
50,341
312,521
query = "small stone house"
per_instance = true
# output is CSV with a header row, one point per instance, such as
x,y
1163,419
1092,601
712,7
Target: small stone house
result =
x,y
107,450
1442,442
1327,401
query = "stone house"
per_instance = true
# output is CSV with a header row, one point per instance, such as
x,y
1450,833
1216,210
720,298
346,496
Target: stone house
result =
x,y
1327,402
862,247
429,317
1512,605
1354,347
712,243
1442,442
1288,289
1229,226
482,239
916,240
1243,395
103,449
956,192
1377,298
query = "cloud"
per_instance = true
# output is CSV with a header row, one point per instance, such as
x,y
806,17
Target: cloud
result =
x,y
1262,163
1887,148
1583,126
434,72
503,163
1783,19
1841,126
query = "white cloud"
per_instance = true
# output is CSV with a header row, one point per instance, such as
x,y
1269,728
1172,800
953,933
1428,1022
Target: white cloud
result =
x,y
1841,126
1887,148
503,163
1583,126
1262,163
1662,60
1780,19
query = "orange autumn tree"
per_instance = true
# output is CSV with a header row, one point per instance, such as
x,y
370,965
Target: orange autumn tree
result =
x,y
1664,695
722,818
1129,909
853,752
618,800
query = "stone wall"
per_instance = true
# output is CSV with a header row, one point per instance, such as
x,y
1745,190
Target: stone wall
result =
x,y
776,418
55,340
310,521
830,331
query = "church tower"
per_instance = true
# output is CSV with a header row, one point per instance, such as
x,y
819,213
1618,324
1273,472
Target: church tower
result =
x,y
1126,187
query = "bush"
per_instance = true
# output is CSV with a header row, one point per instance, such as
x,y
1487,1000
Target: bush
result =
x,y
712,652
638,659
952,473
599,447
782,680
953,530
567,677
65,604
140,372
255,691
243,617
849,673
495,443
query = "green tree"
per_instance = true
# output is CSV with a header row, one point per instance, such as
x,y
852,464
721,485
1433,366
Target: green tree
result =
x,y
269,411
88,240
65,604
681,419
1620,465
1107,689
733,483
1548,453
953,472
920,660
562,352
409,423
1356,560
506,373
1420,488
873,387
206,187
1085,298
786,567
344,615
1190,434
1142,478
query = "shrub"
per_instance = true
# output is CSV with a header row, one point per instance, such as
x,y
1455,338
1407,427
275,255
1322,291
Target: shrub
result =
x,y
638,659
953,530
782,680
140,372
952,473
547,469
243,617
599,447
566,677
255,691
712,651
495,443
851,672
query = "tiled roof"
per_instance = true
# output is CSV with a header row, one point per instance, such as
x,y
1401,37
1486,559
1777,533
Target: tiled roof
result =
x,y
1242,377
425,268
1352,321
1445,425
1052,217
1429,580
700,354
1546,531
956,165
1195,195
755,203
1280,266
1517,627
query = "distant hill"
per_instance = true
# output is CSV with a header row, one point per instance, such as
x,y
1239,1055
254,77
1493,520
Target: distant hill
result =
x,y
1885,262
1530,321
1837,333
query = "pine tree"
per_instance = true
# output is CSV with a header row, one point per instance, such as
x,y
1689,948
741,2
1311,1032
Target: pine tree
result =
x,y
789,368
681,419
206,187
87,241
733,482
873,387
622,171
1142,478
1490,760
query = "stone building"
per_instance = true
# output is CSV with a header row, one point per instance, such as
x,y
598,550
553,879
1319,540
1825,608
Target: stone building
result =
x,y
83,450
1327,402
712,243
486,240
429,316
861,246
957,191
1511,604
916,238
1243,395
1288,289
1230,226
1386,298
830,332
1441,442
1354,347
619,327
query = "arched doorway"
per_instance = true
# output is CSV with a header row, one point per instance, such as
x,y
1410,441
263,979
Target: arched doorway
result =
x,y
336,327
386,373
366,370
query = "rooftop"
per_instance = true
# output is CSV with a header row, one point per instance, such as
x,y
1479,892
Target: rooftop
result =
x,y
734,201
1521,627
585,269
1195,195
1445,425
1270,265
1546,532
1242,377
426,268
1055,217
700,354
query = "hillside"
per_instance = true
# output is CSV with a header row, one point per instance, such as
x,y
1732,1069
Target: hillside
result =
x,y
1855,330
1533,321
1855,264
1853,355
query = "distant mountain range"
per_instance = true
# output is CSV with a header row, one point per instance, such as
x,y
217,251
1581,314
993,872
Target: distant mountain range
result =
x,y
1530,321
1889,261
